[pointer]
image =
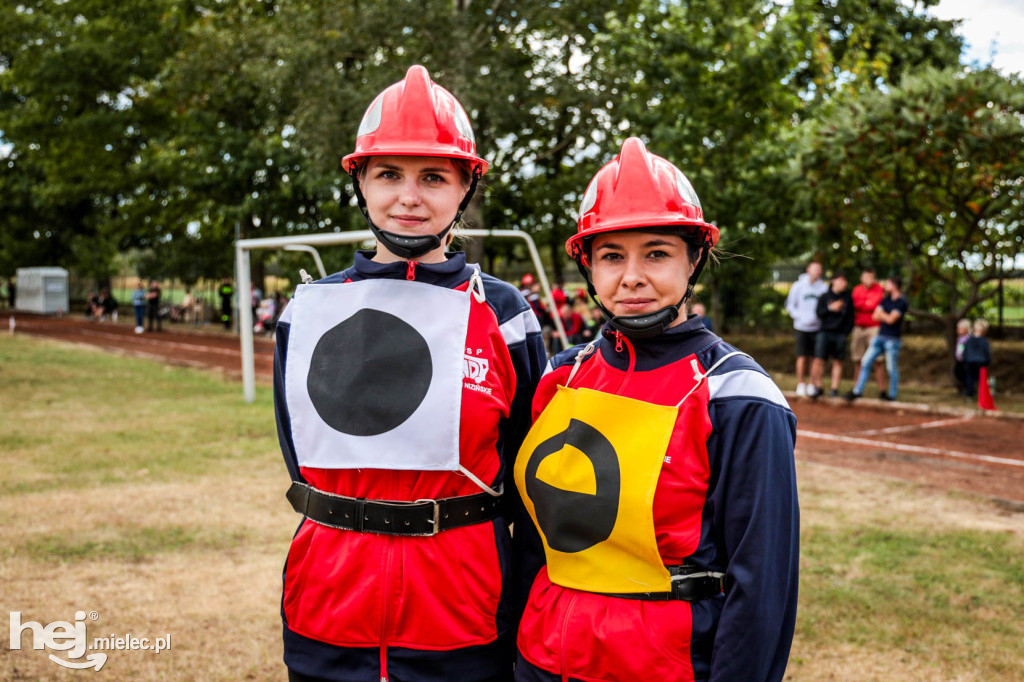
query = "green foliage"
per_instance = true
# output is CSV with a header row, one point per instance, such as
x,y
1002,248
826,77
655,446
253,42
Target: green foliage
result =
x,y
710,85
71,75
928,176
166,128
864,44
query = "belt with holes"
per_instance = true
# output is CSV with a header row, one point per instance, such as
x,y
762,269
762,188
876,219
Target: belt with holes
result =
x,y
689,583
422,517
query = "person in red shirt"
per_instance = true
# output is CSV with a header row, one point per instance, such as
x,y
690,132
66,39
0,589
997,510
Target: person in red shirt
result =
x,y
866,297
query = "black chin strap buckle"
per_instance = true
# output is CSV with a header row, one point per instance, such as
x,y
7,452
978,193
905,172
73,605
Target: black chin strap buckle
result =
x,y
646,325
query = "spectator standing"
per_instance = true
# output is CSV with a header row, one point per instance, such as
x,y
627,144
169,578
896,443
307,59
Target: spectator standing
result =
x,y
256,297
226,291
890,313
835,310
977,354
153,306
963,332
802,306
139,305
866,297
188,305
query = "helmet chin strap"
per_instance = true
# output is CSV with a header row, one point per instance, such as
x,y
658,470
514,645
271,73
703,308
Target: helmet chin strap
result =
x,y
411,247
645,325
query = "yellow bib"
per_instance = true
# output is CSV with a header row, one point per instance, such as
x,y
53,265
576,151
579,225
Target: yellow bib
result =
x,y
587,472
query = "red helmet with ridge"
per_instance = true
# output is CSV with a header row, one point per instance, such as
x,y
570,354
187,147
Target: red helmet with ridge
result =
x,y
638,189
415,117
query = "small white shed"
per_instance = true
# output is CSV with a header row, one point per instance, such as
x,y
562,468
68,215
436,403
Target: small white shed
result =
x,y
42,290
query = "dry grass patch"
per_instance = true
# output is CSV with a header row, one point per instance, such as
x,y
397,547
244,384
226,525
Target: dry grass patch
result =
x,y
178,525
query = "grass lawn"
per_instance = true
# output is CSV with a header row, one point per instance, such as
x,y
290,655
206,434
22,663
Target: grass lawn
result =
x,y
154,496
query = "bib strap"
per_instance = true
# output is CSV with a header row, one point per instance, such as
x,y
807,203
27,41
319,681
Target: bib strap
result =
x,y
689,583
422,517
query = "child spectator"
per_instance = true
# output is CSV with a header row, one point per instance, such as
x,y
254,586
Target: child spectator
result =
x,y
977,354
963,332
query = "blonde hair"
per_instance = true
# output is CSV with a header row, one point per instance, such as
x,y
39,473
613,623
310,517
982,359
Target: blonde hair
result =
x,y
964,324
980,327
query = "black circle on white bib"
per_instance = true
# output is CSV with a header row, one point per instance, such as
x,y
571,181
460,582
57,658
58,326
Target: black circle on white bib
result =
x,y
369,373
574,521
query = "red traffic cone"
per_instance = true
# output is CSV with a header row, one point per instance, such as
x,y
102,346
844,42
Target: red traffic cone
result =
x,y
985,401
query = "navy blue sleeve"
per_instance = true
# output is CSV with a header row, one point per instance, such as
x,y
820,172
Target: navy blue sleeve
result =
x,y
757,523
526,347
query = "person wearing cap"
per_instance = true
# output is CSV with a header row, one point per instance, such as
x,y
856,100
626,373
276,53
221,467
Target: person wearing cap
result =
x,y
402,389
659,470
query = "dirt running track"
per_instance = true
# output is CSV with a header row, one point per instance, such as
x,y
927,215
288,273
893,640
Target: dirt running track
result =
x,y
953,450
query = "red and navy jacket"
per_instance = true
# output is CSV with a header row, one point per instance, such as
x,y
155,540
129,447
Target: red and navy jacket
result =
x,y
725,501
363,606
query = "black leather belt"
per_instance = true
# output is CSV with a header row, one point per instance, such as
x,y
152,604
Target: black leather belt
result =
x,y
422,517
689,583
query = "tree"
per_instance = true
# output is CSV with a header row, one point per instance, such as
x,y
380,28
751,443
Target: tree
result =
x,y
709,85
70,74
930,176
864,44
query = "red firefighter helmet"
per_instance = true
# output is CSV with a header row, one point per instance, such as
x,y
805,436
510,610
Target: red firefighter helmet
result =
x,y
415,117
638,189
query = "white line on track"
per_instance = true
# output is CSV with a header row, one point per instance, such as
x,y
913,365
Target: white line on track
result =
x,y
916,449
914,427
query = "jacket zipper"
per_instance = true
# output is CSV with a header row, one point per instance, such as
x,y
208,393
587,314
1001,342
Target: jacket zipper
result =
x,y
410,270
563,654
622,343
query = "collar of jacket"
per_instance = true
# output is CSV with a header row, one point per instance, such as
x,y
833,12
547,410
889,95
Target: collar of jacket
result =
x,y
450,273
675,343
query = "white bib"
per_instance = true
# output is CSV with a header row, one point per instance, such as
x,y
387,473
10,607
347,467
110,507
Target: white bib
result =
x,y
373,375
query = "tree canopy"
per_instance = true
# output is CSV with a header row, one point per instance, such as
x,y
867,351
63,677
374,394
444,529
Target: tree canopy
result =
x,y
165,128
928,177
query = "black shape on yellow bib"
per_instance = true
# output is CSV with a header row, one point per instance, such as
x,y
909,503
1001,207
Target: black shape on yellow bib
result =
x,y
587,472
369,373
574,521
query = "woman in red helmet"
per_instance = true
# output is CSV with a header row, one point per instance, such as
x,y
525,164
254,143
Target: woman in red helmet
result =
x,y
402,388
659,469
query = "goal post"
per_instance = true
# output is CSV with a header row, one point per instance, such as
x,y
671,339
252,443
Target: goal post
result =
x,y
308,243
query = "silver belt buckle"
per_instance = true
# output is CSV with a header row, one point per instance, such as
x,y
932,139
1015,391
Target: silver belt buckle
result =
x,y
435,521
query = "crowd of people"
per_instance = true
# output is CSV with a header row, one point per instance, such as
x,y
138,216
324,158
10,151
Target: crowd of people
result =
x,y
825,314
151,309
828,319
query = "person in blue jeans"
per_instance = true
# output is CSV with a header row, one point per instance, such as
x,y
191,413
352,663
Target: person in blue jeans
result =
x,y
890,313
139,304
